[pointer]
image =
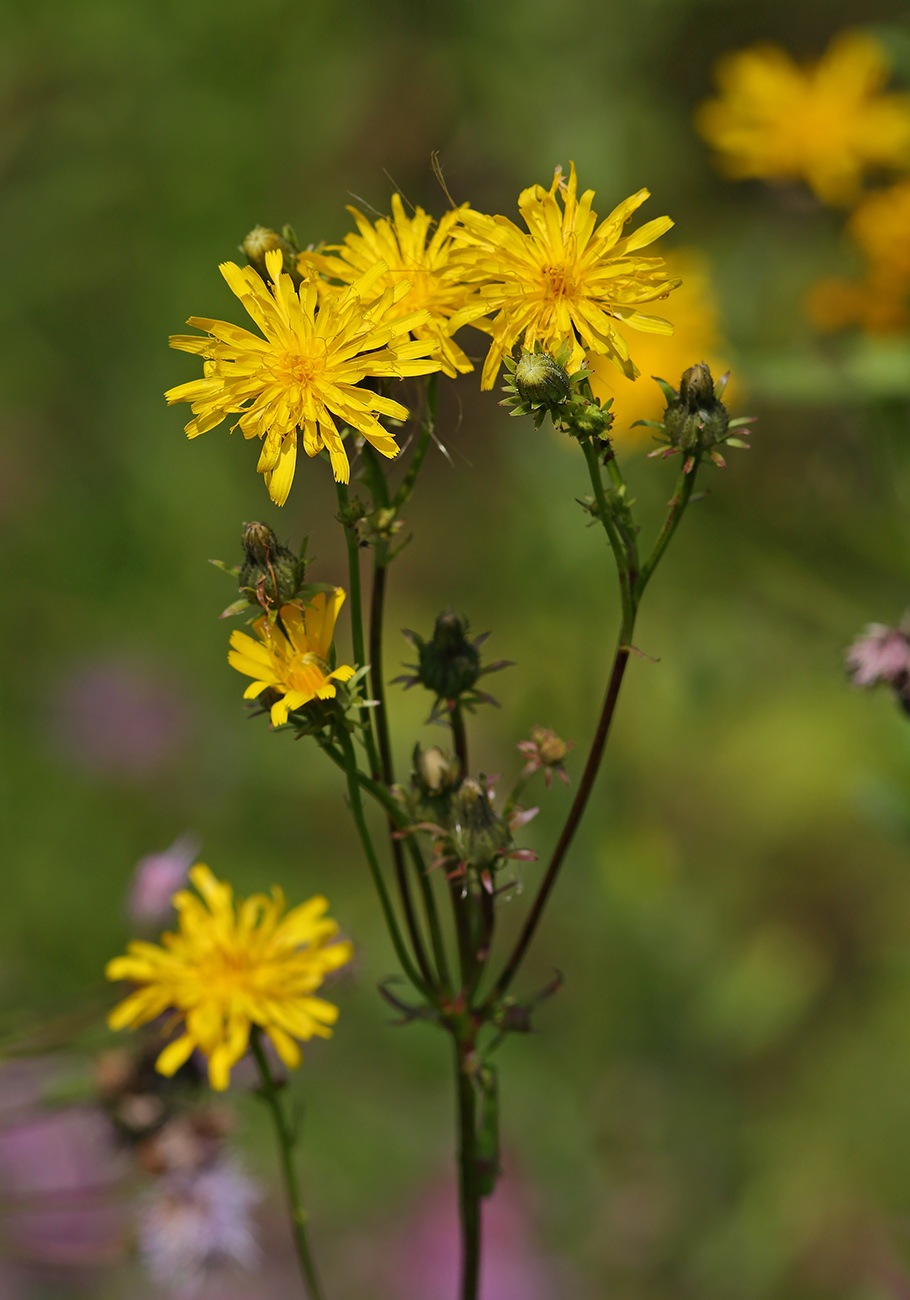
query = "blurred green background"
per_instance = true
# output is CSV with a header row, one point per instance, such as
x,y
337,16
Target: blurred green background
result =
x,y
717,1104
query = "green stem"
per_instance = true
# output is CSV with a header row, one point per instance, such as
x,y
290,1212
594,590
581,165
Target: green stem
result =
x,y
286,1143
678,502
357,643
424,438
459,737
468,1191
604,514
419,981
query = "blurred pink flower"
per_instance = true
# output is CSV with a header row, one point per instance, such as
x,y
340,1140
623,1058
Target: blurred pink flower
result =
x,y
60,1173
512,1266
114,716
157,878
193,1222
881,654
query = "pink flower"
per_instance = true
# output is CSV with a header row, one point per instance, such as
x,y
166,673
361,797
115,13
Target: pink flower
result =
x,y
193,1222
157,878
881,654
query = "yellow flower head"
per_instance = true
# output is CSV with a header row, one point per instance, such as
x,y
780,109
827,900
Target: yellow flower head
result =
x,y
879,302
230,967
825,123
567,278
696,337
291,655
412,253
303,375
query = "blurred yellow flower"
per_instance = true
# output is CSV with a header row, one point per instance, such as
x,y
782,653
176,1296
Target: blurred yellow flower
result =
x,y
305,373
412,251
826,123
229,967
879,301
696,337
291,655
568,278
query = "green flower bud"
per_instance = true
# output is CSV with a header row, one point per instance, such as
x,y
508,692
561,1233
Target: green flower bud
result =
x,y
479,834
539,378
269,569
696,420
449,664
260,241
435,771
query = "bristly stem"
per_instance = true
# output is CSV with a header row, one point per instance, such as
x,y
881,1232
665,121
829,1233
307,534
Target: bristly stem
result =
x,y
632,583
469,1199
419,980
286,1143
357,643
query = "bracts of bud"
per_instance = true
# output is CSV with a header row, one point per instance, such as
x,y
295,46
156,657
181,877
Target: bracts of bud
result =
x,y
696,422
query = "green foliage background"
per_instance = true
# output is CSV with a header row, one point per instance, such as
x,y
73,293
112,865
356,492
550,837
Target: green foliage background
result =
x,y
718,1102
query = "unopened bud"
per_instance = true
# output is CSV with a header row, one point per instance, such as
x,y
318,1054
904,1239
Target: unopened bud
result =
x,y
479,834
435,771
260,241
449,663
696,420
539,378
269,569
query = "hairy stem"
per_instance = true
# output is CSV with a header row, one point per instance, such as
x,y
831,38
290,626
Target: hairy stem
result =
x,y
286,1143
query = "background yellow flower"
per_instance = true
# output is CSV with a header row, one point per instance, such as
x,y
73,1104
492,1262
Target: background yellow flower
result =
x,y
826,123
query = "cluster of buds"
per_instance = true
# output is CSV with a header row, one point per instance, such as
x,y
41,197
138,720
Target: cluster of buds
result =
x,y
271,575
471,838
540,386
449,665
696,422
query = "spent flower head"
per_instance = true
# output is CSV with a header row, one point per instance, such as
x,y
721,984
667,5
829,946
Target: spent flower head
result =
x,y
881,654
300,380
291,655
566,278
414,250
826,123
545,750
231,966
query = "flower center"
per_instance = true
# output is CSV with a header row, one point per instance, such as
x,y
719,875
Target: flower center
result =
x,y
298,369
557,282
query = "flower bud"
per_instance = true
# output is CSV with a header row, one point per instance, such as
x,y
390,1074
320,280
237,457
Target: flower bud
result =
x,y
539,378
260,241
479,834
435,771
270,571
696,420
449,664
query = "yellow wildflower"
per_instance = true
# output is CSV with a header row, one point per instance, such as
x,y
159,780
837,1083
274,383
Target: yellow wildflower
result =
x,y
568,278
410,252
227,968
291,655
879,302
306,370
696,336
826,123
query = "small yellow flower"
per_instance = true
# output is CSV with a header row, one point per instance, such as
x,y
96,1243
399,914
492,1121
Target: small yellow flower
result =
x,y
826,123
412,253
229,967
304,374
696,336
291,655
567,278
879,302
